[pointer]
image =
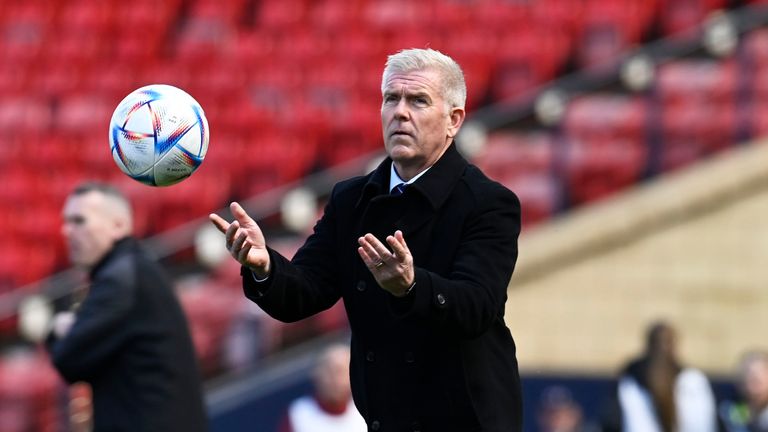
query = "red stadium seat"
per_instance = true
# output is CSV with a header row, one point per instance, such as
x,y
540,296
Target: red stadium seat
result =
x,y
607,115
280,16
690,132
526,56
676,17
500,15
149,16
605,138
83,112
512,154
758,119
330,15
524,163
540,196
608,28
453,15
13,77
92,18
250,49
385,15
218,15
698,115
25,114
695,82
756,49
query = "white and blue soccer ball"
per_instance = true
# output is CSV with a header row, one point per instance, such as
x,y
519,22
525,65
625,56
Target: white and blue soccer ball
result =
x,y
158,135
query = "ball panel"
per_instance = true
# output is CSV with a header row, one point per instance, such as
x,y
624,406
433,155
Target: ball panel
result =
x,y
174,166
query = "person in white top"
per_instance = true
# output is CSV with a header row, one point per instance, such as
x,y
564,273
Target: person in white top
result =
x,y
657,394
330,407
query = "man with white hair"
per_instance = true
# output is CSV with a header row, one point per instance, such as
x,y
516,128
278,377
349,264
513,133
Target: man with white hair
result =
x,y
421,250
750,413
129,338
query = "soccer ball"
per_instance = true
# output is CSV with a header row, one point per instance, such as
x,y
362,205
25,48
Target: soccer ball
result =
x,y
158,135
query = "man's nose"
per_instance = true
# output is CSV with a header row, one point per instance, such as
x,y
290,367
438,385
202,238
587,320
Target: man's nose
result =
x,y
401,110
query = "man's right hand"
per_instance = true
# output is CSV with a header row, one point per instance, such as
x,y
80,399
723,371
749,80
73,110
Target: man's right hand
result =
x,y
244,240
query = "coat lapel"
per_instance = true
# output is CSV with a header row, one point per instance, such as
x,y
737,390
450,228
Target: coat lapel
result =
x,y
382,214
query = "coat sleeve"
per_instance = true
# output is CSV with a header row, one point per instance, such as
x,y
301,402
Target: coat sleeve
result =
x,y
99,331
472,296
306,285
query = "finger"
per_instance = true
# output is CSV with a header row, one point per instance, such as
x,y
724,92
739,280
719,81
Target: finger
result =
x,y
242,253
219,222
241,215
229,235
397,247
370,248
237,245
400,238
379,247
369,261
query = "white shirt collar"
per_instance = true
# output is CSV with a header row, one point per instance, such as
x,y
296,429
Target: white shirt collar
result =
x,y
394,178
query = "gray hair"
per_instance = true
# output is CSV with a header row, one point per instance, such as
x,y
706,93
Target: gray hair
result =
x,y
453,87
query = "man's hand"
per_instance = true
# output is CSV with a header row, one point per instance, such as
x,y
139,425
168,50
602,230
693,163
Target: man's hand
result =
x,y
244,240
393,270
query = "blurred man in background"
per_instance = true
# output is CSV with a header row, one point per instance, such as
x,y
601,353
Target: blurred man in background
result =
x,y
421,250
128,338
558,411
750,414
330,407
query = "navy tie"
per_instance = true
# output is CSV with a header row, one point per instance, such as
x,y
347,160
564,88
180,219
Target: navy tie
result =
x,y
399,189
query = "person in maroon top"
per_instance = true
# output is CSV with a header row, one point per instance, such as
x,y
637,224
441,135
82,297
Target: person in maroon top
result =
x,y
330,407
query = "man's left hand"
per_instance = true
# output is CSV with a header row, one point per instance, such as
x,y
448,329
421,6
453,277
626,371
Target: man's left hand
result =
x,y
392,269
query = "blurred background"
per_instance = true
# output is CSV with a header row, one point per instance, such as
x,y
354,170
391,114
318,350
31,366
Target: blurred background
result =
x,y
631,130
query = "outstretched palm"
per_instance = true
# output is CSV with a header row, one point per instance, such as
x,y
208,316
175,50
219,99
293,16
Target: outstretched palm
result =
x,y
244,240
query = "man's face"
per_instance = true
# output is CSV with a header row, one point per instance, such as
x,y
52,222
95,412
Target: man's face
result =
x,y
755,382
416,121
89,228
332,378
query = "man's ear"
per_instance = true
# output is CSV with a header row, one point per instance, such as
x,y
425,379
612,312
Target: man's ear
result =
x,y
122,227
455,120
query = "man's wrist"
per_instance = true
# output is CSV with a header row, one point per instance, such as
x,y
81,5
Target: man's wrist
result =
x,y
258,278
408,291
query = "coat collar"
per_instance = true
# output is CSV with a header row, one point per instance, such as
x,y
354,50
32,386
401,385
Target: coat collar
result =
x,y
120,246
435,185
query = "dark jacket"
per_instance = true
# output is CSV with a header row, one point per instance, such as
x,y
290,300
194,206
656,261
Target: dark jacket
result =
x,y
440,359
131,343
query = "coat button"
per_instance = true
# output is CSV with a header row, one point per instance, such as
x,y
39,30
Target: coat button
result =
x,y
361,286
409,358
370,356
375,425
440,299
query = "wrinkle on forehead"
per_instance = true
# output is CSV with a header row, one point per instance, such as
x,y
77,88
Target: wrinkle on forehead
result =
x,y
414,81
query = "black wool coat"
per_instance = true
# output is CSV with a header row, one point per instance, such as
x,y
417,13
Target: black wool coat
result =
x,y
131,343
440,359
